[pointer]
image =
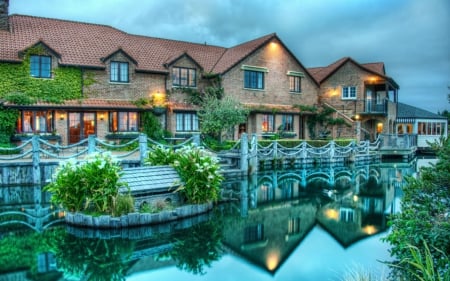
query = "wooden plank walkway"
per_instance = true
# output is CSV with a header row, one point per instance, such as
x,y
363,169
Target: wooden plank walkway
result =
x,y
150,180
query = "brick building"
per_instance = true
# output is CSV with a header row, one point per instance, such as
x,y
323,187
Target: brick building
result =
x,y
74,79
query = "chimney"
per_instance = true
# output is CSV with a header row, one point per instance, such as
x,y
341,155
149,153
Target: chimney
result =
x,y
4,22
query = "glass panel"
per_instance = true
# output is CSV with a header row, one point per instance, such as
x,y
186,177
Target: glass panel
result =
x,y
34,66
176,76
46,64
179,122
27,121
114,71
133,121
183,76
74,127
124,72
123,121
192,78
89,124
113,124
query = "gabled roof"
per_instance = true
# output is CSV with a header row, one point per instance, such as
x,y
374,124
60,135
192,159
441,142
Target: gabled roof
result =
x,y
87,45
84,44
320,74
405,111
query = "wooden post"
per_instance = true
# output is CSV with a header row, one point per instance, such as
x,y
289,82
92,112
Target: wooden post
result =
x,y
244,153
142,148
196,140
36,160
91,144
253,162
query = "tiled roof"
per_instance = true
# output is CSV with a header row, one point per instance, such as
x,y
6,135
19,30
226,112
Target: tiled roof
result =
x,y
237,53
409,111
85,44
320,74
88,104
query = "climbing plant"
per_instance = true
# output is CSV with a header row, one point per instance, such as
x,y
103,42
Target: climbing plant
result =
x,y
8,119
320,119
17,85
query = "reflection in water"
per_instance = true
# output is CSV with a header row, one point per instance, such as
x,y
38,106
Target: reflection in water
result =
x,y
265,220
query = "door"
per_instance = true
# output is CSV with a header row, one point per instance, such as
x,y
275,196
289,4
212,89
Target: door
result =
x,y
81,125
368,100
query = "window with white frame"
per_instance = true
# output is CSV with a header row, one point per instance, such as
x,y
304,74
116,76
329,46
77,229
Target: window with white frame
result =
x,y
40,66
253,79
184,77
119,72
186,122
349,93
431,128
295,84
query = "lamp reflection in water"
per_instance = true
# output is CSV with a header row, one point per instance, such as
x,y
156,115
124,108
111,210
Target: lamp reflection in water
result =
x,y
273,259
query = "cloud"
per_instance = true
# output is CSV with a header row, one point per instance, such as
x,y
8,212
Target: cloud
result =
x,y
412,37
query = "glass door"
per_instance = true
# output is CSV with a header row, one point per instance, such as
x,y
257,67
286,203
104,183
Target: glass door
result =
x,y
81,125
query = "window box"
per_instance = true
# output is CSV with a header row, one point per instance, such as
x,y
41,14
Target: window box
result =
x,y
288,135
122,135
44,136
158,110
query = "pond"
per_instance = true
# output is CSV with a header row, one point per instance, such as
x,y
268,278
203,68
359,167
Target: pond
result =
x,y
316,223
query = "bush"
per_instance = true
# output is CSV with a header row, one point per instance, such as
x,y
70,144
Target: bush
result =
x,y
89,185
424,225
198,170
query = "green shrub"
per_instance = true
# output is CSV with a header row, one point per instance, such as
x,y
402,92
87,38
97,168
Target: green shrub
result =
x,y
89,185
198,170
423,225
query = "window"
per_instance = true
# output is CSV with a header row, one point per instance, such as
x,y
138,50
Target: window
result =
x,y
123,121
295,84
346,215
119,72
293,225
184,77
35,121
267,123
254,233
186,122
253,79
431,128
287,123
349,93
40,66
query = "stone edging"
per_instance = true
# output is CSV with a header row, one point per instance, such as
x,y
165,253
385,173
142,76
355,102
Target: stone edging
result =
x,y
136,219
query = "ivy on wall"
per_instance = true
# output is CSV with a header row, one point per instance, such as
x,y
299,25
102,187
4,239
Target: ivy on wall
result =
x,y
17,85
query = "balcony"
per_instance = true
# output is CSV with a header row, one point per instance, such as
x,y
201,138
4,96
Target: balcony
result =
x,y
374,107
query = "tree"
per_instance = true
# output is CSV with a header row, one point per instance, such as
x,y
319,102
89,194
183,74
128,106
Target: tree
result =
x,y
219,116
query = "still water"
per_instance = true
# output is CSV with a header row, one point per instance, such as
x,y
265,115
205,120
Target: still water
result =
x,y
307,224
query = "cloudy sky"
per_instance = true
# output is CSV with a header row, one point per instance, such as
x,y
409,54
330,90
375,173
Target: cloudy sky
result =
x,y
412,37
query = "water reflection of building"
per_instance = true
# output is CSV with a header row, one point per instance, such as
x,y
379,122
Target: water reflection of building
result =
x,y
350,203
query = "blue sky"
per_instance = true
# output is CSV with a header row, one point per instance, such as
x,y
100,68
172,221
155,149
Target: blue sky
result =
x,y
412,37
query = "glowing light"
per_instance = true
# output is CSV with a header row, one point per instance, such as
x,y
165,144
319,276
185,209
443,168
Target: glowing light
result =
x,y
159,99
62,116
273,258
355,198
370,229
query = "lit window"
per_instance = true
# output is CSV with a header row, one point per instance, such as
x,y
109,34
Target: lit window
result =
x,y
123,121
293,225
349,93
186,122
253,79
295,84
119,72
184,77
40,66
35,121
267,123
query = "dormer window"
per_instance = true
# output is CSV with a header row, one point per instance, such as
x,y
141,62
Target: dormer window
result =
x,y
119,72
40,66
184,77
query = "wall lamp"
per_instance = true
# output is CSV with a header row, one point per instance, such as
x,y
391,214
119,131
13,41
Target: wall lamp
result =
x,y
62,116
102,116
